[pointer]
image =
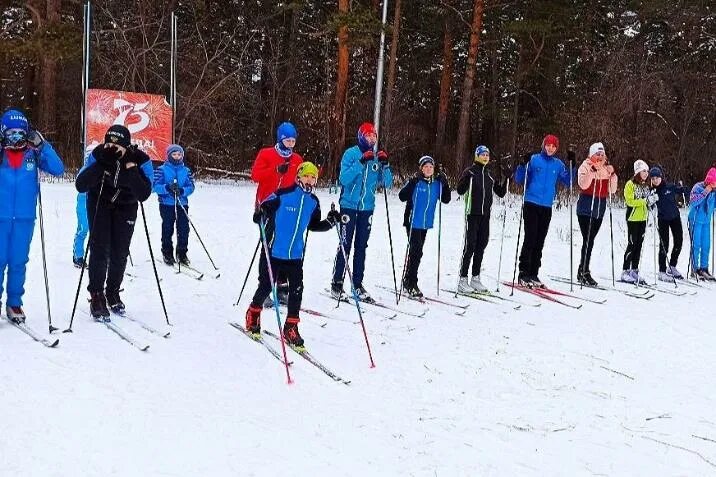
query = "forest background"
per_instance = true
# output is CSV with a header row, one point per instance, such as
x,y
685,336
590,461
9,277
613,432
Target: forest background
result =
x,y
639,76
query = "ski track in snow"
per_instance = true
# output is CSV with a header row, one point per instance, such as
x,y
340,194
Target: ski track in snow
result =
x,y
537,391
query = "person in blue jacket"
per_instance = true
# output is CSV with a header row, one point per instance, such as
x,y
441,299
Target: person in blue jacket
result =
x,y
540,174
78,246
24,152
420,194
174,183
116,177
287,215
702,204
669,219
362,172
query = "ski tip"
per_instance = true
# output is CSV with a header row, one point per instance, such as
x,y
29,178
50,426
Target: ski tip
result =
x,y
68,330
54,344
167,334
347,383
144,348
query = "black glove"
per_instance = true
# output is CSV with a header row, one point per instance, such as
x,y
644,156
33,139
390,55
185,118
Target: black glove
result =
x,y
282,168
175,189
525,159
571,158
333,217
35,138
442,178
383,157
107,156
367,156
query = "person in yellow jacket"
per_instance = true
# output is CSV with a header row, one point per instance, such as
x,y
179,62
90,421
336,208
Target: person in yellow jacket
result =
x,y
639,198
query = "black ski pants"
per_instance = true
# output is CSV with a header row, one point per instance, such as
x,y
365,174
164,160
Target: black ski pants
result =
x,y
171,215
537,219
477,234
415,254
292,270
632,255
589,226
111,231
677,231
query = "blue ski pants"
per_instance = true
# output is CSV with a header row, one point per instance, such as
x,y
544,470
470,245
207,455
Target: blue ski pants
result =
x,y
700,245
354,224
78,249
15,239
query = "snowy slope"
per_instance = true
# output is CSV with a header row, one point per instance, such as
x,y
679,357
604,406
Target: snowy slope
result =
x,y
624,388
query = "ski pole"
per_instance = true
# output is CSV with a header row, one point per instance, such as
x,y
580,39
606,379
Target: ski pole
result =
x,y
611,237
588,239
405,261
502,236
440,228
665,251
197,235
131,262
571,229
84,257
44,255
176,220
519,228
274,295
154,264
656,265
353,290
390,241
248,272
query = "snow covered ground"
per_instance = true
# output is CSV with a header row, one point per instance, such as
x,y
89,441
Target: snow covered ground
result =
x,y
623,388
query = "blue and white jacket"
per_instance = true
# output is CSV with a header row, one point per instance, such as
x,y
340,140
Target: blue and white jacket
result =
x,y
359,182
421,196
701,205
19,187
292,212
542,176
168,173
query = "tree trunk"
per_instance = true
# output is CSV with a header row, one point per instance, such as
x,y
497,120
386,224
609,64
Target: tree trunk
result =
x,y
464,125
390,93
445,83
339,109
48,76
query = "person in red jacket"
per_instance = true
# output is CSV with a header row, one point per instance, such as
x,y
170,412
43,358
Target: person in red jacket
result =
x,y
275,168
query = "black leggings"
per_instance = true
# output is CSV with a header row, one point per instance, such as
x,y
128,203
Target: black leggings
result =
x,y
678,232
477,235
589,227
632,255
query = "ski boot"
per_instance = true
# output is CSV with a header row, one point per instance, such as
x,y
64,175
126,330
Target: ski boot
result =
x,y
674,272
536,282
477,285
15,314
168,257
585,278
98,307
290,332
666,277
78,262
337,291
114,302
253,319
412,290
705,275
628,277
463,286
183,259
525,280
363,295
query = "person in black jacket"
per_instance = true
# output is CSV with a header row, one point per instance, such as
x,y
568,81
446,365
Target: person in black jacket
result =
x,y
669,220
116,177
479,185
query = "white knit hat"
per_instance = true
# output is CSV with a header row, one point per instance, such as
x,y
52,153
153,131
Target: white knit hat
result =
x,y
640,166
595,148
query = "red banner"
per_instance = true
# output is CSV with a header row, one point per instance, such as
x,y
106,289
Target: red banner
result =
x,y
147,116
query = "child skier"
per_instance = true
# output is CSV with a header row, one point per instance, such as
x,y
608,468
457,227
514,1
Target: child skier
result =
x,y
421,195
639,198
540,174
290,211
275,168
597,181
362,172
23,151
479,185
115,185
669,220
173,183
701,210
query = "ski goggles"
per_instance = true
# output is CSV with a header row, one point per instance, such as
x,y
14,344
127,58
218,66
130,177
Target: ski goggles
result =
x,y
14,139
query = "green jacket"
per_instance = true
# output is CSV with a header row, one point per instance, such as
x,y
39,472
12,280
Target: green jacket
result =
x,y
634,195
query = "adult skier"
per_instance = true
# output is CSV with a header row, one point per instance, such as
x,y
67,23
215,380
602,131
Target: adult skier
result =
x,y
701,210
420,194
539,174
116,177
174,183
639,198
24,152
597,181
362,172
477,182
669,219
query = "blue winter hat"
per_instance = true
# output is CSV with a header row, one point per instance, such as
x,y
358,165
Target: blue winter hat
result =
x,y
656,172
481,150
426,160
13,119
286,131
174,148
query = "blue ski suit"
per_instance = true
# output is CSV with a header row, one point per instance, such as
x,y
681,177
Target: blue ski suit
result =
x,y
701,210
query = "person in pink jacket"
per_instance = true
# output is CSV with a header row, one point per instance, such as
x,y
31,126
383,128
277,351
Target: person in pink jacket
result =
x,y
597,181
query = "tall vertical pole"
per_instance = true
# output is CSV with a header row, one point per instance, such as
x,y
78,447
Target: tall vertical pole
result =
x,y
173,71
87,15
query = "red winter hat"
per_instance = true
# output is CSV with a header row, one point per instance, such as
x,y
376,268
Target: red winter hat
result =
x,y
364,130
550,139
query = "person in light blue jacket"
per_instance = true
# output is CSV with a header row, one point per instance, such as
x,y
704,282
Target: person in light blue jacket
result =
x,y
23,154
362,172
174,183
420,194
702,204
540,175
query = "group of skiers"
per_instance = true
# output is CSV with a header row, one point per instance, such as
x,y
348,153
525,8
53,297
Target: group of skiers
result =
x,y
117,176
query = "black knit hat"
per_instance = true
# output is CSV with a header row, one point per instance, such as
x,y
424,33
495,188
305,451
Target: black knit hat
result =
x,y
118,134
